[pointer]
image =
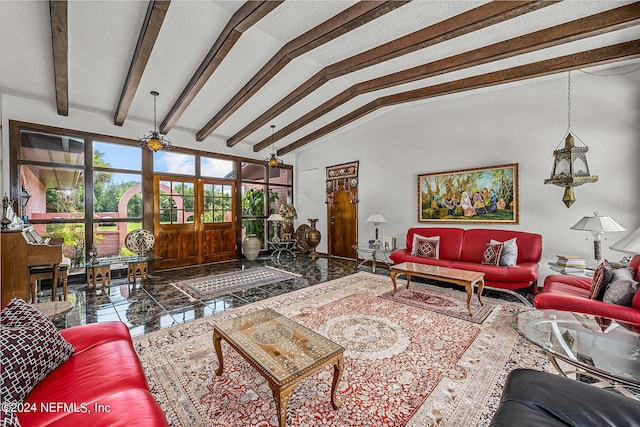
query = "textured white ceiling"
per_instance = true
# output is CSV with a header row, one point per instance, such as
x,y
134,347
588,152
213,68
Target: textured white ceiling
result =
x,y
103,36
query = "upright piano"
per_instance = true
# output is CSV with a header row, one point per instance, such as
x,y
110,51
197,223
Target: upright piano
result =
x,y
22,249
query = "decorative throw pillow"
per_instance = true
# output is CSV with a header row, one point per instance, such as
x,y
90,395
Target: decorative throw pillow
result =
x,y
598,284
509,255
492,253
427,248
432,246
622,287
31,348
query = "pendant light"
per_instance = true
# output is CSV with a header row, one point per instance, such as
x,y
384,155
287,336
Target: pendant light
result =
x,y
153,140
570,167
272,160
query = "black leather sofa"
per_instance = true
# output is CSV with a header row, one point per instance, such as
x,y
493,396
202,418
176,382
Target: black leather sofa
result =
x,y
534,398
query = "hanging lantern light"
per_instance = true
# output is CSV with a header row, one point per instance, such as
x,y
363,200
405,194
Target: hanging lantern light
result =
x,y
570,167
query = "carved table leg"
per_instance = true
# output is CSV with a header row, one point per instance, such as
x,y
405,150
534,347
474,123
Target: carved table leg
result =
x,y
469,288
408,280
480,288
282,399
393,279
217,338
337,374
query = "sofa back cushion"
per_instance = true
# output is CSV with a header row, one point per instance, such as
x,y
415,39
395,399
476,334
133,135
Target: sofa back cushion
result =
x,y
450,245
475,239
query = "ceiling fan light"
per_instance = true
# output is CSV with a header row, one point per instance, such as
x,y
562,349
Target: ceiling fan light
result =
x,y
154,144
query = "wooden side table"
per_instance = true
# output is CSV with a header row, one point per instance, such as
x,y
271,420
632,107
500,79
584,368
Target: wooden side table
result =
x,y
94,270
137,266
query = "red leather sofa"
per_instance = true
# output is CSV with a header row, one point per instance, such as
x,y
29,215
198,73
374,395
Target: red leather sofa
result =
x,y
102,384
463,249
571,293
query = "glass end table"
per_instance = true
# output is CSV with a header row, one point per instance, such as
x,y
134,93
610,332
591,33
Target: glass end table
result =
x,y
599,348
373,254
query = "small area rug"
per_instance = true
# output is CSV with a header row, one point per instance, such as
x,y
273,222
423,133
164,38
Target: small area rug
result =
x,y
220,284
404,366
456,306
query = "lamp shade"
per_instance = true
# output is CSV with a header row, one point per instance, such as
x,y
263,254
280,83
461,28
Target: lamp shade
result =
x,y
376,218
287,210
597,223
630,243
275,217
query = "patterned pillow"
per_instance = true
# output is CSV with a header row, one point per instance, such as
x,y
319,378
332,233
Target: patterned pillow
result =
x,y
426,247
31,348
492,253
598,284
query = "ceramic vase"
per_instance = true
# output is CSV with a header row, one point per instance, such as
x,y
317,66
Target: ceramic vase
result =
x,y
313,238
251,247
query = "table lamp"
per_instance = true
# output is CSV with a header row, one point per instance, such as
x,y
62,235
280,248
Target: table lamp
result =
x,y
376,219
597,225
629,244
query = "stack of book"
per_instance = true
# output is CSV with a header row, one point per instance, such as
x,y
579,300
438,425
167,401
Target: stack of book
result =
x,y
567,264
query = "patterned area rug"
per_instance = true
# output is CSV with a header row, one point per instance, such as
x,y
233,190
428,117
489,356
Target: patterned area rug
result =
x,y
220,284
456,307
404,366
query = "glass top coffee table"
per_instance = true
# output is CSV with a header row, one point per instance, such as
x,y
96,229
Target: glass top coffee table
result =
x,y
281,350
597,347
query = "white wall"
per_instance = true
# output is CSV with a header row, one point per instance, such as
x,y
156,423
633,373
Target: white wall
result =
x,y
521,124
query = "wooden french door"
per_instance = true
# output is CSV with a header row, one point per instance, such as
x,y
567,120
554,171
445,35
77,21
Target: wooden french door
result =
x,y
194,221
343,225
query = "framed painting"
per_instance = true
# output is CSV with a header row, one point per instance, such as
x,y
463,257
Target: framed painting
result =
x,y
484,195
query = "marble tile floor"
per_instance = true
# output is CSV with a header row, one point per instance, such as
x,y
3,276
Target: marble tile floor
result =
x,y
155,303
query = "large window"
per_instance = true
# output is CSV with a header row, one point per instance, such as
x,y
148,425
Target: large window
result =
x,y
89,188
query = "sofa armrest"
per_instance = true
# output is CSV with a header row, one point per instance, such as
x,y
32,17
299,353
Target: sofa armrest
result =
x,y
551,301
94,334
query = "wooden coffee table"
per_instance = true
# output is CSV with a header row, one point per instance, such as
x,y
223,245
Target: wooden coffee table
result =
x,y
466,278
281,350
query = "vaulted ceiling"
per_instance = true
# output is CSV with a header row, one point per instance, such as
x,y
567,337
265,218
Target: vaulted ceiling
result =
x,y
227,70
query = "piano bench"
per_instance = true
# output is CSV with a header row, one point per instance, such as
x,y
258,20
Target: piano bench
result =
x,y
38,273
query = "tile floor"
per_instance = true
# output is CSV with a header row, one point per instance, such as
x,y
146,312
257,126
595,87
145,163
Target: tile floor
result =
x,y
155,303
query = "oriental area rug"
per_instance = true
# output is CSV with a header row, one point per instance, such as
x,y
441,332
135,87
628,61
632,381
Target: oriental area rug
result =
x,y
452,306
220,284
404,365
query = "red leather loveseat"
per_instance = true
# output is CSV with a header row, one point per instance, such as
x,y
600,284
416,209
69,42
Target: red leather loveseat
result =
x,y
464,249
102,383
571,293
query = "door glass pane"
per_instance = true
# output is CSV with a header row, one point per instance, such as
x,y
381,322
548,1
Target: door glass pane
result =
x,y
216,168
47,148
171,162
176,200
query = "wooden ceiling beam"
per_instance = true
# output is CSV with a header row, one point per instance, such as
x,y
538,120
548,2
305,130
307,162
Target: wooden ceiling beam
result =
x,y
600,23
248,14
156,11
345,21
464,23
60,45
590,58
